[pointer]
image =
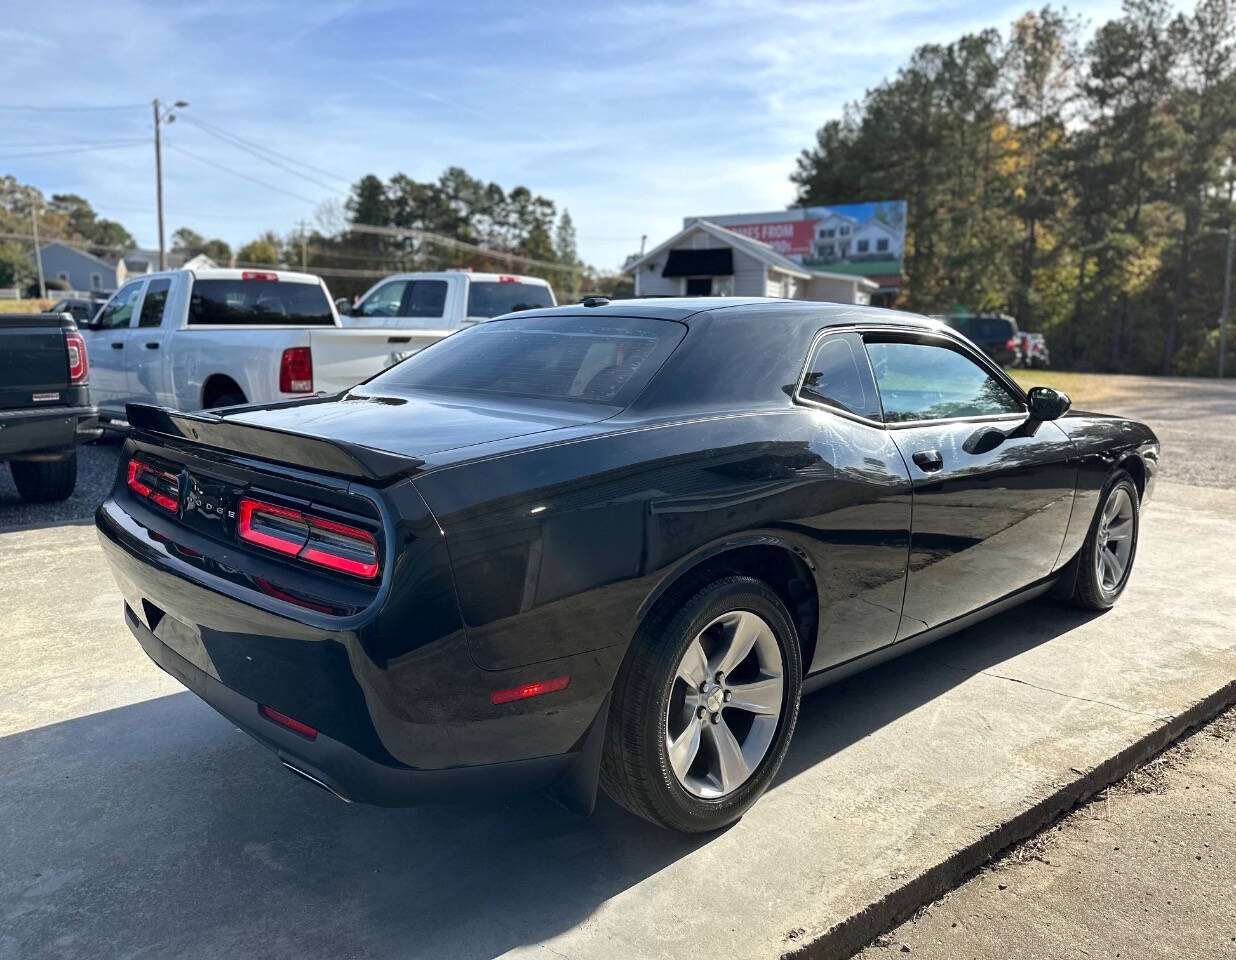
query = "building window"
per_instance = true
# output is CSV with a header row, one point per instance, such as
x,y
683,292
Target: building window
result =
x,y
827,249
62,277
831,232
863,246
845,231
96,281
882,245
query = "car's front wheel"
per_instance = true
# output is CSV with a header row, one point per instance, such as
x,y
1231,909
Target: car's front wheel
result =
x,y
1106,558
704,707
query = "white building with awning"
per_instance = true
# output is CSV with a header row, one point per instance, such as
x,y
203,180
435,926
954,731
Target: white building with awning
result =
x,y
704,259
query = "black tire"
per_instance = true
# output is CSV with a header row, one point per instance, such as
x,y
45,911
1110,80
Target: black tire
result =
x,y
227,400
42,481
635,768
1090,591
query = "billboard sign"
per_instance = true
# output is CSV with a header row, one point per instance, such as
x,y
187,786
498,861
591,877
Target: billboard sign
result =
x,y
867,239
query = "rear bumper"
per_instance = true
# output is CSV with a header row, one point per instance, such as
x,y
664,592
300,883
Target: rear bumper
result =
x,y
338,768
50,432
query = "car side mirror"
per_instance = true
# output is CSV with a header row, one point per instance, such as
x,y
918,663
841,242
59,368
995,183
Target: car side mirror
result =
x,y
1048,404
344,306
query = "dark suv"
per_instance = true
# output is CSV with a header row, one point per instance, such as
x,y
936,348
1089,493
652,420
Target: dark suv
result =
x,y
994,334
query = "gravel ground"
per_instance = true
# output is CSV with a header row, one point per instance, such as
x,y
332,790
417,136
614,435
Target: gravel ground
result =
x,y
1143,870
96,471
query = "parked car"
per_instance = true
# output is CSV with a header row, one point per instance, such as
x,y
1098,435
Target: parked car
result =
x,y
616,540
194,339
432,305
79,308
1032,351
995,335
45,409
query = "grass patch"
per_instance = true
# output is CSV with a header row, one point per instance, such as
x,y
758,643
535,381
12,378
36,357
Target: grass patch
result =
x,y
25,306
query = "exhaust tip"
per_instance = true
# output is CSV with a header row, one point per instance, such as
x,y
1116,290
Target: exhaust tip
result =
x,y
314,780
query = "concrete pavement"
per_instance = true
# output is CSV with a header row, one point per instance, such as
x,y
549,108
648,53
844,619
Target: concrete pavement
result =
x,y
135,821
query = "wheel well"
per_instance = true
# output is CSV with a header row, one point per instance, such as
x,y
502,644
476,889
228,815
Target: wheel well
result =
x,y
1137,470
219,385
782,569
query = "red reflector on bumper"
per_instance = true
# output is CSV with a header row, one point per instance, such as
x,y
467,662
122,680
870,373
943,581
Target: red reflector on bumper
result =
x,y
529,690
285,721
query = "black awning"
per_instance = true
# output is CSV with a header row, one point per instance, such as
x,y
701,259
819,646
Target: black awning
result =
x,y
716,262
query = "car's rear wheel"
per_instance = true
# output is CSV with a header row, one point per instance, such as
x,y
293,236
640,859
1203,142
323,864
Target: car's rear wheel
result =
x,y
42,481
1106,558
704,707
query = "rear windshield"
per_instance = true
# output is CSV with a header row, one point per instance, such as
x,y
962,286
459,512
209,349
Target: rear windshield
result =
x,y
217,302
552,358
983,328
492,298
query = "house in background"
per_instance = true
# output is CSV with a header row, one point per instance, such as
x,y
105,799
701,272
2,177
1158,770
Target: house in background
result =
x,y
83,271
834,235
704,259
78,269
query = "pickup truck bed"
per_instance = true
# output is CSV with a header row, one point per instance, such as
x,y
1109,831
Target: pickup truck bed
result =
x,y
45,408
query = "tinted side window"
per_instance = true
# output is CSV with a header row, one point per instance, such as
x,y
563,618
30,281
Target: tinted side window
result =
x,y
383,302
154,303
119,310
838,375
425,298
923,381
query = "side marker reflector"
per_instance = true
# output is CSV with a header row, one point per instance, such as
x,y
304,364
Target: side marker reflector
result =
x,y
529,690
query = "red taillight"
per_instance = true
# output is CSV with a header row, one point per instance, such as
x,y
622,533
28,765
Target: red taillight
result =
x,y
161,487
505,279
259,275
326,543
1011,345
285,721
529,690
79,364
296,370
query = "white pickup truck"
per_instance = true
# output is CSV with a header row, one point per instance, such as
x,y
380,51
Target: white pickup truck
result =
x,y
196,339
429,306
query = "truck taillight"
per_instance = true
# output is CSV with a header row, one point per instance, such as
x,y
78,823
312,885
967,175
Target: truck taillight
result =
x,y
160,487
260,275
79,364
316,540
296,370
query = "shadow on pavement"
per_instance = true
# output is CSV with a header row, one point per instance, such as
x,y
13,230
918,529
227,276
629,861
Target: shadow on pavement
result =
x,y
96,471
158,829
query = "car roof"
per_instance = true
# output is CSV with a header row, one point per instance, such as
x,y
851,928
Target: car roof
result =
x,y
236,273
685,309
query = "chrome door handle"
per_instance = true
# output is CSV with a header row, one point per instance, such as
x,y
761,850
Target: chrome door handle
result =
x,y
117,344
929,461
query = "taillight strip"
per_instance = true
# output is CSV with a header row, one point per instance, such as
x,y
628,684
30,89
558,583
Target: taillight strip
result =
x,y
251,528
140,471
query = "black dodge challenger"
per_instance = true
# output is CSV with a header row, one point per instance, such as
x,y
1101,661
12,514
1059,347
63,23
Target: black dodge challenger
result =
x,y
610,542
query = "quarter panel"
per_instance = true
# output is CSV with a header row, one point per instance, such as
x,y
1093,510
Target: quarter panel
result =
x,y
556,549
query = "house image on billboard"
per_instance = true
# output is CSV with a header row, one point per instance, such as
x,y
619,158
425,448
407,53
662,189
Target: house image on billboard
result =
x,y
838,238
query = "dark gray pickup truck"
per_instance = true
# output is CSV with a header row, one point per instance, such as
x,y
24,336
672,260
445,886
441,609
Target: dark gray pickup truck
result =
x,y
45,409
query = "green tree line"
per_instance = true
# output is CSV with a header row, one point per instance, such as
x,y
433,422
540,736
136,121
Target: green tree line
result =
x,y
1081,183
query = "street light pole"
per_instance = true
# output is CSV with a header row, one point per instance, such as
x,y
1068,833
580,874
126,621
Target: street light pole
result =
x,y
166,116
38,250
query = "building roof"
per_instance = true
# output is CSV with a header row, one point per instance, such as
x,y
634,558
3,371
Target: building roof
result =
x,y
749,245
110,264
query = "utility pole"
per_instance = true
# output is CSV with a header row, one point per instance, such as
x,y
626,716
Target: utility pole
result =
x,y
1227,301
38,250
304,239
166,116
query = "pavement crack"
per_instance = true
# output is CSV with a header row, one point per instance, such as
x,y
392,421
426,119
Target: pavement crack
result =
x,y
1059,693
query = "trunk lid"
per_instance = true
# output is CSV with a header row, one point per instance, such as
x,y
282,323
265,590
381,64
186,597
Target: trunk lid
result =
x,y
34,363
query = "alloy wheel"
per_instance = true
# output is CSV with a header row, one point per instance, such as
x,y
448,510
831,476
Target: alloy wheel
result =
x,y
1115,539
725,704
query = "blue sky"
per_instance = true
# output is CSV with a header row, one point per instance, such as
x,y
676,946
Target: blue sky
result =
x,y
632,115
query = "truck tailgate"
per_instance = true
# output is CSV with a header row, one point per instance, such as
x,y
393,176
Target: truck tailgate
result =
x,y
34,363
343,357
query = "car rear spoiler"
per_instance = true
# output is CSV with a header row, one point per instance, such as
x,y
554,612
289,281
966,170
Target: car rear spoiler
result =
x,y
338,457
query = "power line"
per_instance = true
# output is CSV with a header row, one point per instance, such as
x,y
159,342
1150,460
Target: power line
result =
x,y
104,145
86,107
250,146
413,233
278,163
243,176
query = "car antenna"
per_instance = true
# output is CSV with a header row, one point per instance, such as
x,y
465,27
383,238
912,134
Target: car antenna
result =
x,y
595,301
